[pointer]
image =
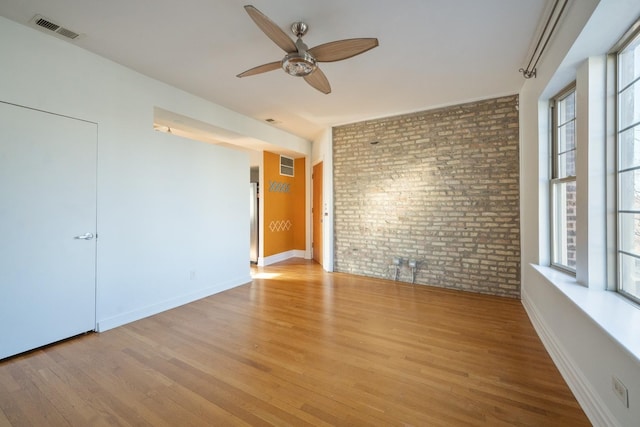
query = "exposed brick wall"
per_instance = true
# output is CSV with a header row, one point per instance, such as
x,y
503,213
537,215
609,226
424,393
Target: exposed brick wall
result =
x,y
440,187
571,224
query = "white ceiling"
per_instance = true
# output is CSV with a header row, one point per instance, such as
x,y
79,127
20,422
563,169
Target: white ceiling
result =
x,y
432,52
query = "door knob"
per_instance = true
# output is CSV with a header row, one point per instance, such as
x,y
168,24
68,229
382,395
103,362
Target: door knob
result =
x,y
86,236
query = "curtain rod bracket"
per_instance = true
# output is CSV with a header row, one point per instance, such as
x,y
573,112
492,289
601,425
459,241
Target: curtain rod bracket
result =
x,y
527,74
549,27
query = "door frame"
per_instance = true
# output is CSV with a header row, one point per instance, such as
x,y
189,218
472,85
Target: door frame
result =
x,y
317,213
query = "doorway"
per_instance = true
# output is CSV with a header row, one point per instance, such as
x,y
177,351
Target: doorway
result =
x,y
47,228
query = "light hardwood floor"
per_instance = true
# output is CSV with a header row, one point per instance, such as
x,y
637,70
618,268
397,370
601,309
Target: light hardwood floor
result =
x,y
300,347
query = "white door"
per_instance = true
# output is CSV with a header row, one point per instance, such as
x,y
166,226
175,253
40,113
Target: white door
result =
x,y
47,197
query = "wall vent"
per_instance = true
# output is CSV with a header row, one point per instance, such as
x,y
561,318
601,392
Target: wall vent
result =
x,y
286,166
47,24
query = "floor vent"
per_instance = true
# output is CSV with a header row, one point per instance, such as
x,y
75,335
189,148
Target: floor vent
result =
x,y
42,22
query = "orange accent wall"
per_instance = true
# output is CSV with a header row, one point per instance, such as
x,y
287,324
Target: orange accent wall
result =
x,y
284,206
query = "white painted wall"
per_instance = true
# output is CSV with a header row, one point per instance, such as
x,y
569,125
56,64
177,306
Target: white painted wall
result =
x,y
173,219
586,348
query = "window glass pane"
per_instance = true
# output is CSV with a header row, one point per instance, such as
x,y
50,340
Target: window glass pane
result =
x,y
630,190
567,164
629,63
564,226
629,180
567,137
630,275
629,109
629,148
629,233
567,108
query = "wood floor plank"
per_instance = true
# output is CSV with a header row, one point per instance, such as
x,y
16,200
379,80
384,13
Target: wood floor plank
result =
x,y
299,346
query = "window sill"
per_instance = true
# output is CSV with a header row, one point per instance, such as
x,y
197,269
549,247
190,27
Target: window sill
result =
x,y
617,316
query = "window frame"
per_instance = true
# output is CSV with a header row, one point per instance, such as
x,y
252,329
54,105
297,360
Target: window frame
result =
x,y
555,180
631,36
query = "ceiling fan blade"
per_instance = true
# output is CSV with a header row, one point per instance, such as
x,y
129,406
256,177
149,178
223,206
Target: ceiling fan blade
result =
x,y
319,81
342,49
272,31
261,69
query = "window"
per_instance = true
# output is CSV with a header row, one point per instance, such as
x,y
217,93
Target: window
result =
x,y
628,168
563,181
286,166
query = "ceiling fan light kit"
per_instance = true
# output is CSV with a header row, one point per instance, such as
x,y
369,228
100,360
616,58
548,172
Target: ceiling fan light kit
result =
x,y
300,61
299,65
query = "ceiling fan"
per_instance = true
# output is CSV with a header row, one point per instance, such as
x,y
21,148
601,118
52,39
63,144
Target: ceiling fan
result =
x,y
299,60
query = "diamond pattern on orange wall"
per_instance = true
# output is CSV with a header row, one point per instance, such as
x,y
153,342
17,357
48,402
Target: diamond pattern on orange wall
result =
x,y
280,225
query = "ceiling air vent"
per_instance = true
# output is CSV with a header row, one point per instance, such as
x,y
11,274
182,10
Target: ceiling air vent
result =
x,y
47,24
44,23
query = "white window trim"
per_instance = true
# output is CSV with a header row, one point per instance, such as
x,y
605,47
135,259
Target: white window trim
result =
x,y
554,180
615,314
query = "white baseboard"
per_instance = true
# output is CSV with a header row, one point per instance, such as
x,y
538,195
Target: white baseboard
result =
x,y
282,256
132,316
591,404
